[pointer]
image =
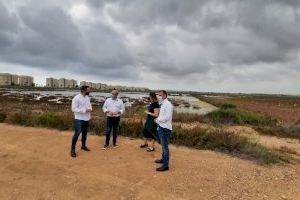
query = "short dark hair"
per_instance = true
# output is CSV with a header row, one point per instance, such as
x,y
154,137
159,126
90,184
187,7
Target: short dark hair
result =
x,y
164,92
84,88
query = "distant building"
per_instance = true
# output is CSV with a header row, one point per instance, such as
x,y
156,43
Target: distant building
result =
x,y
74,83
5,79
12,79
68,83
52,83
102,86
25,81
82,83
90,84
15,79
61,83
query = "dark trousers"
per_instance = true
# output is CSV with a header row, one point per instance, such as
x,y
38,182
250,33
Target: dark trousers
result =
x,y
80,126
112,123
164,136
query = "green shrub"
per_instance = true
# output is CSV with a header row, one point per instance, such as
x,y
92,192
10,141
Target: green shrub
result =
x,y
131,128
22,118
201,138
2,117
196,137
237,116
227,106
292,131
188,117
52,121
227,142
96,126
258,151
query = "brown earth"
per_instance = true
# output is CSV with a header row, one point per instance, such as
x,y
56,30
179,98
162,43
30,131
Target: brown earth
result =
x,y
35,164
287,110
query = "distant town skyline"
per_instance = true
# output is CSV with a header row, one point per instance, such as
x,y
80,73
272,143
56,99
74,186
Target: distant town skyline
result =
x,y
9,79
249,46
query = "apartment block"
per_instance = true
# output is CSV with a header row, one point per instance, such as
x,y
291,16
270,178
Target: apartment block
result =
x,y
25,81
13,79
5,79
52,82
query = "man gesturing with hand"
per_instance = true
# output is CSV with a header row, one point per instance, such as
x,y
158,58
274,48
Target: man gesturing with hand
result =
x,y
82,108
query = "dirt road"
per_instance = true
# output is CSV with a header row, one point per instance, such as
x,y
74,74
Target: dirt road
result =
x,y
35,164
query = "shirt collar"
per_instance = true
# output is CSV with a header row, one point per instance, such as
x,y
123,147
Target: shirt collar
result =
x,y
164,100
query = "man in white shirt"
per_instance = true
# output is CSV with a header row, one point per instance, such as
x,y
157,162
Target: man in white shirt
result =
x,y
82,108
113,108
164,122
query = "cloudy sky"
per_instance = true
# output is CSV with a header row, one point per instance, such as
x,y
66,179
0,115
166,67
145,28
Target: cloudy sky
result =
x,y
201,45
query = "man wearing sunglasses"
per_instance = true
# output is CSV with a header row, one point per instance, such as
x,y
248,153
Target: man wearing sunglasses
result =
x,y
113,108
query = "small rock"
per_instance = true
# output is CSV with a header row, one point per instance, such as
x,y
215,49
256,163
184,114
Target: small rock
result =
x,y
283,197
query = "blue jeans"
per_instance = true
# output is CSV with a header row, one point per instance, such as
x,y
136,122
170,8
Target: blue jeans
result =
x,y
164,136
80,126
112,123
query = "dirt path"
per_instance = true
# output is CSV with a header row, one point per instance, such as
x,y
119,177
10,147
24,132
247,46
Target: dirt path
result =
x,y
35,164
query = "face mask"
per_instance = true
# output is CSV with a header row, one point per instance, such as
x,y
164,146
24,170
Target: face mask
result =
x,y
87,93
160,99
114,97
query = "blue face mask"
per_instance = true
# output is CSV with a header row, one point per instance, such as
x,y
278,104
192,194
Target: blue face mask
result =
x,y
114,97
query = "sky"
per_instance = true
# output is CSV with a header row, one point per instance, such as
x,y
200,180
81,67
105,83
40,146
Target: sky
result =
x,y
248,46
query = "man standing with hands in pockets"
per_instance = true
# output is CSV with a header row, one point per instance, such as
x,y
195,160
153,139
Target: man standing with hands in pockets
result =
x,y
82,108
164,122
113,108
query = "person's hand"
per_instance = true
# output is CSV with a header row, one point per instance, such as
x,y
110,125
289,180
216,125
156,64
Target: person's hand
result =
x,y
146,111
89,110
111,114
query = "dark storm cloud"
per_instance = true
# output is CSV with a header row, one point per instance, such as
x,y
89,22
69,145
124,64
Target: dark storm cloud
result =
x,y
47,37
217,40
223,32
8,26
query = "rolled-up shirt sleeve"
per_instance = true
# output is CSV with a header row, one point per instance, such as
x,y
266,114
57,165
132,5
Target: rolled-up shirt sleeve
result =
x,y
104,108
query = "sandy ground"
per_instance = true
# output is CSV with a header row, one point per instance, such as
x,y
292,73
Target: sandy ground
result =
x,y
35,164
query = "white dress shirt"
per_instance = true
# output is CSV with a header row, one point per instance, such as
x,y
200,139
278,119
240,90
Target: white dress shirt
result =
x,y
164,119
79,105
112,105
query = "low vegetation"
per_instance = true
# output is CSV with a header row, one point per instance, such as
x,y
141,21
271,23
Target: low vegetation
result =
x,y
285,131
2,117
230,115
196,137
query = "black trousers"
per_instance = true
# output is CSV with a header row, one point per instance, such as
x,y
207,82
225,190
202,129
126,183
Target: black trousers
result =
x,y
112,123
80,126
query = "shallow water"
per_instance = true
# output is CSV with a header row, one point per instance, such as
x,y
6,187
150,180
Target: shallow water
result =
x,y
184,103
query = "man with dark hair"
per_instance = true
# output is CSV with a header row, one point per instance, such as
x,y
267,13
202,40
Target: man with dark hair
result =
x,y
82,108
113,108
164,122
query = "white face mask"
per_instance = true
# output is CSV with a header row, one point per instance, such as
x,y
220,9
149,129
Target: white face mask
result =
x,y
160,99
